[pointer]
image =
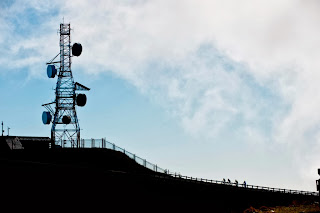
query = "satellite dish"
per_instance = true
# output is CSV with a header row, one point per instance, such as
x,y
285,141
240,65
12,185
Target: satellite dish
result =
x,y
51,71
66,119
76,49
46,117
81,100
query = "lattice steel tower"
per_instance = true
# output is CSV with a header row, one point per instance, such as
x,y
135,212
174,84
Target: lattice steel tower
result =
x,y
65,129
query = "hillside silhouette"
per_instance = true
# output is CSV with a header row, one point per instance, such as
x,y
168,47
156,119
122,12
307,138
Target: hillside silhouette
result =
x,y
98,177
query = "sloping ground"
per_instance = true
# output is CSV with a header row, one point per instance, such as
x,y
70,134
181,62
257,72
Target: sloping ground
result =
x,y
86,158
103,178
295,207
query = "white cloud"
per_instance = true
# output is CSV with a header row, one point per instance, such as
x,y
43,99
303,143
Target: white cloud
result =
x,y
25,37
273,42
247,67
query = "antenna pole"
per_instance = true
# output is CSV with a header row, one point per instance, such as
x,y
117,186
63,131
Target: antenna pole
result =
x,y
8,130
2,128
65,101
65,124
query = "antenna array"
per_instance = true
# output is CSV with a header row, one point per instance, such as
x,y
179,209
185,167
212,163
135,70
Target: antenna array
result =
x,y
62,112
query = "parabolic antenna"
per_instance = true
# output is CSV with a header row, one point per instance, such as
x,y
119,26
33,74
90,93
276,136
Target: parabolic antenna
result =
x,y
81,100
51,71
66,119
46,117
76,49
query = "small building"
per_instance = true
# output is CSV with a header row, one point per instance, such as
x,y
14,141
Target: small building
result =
x,y
8,143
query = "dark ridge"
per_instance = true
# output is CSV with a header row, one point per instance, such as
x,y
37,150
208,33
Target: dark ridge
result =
x,y
95,159
104,179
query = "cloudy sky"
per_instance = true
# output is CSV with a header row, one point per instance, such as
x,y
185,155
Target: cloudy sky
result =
x,y
211,89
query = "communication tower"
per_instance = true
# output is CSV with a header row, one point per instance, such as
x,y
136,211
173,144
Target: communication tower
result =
x,y
65,130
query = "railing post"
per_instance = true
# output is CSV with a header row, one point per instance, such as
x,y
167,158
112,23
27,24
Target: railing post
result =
x,y
134,157
114,146
102,141
92,143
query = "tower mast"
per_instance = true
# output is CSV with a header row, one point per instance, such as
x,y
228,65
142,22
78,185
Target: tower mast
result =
x,y
65,130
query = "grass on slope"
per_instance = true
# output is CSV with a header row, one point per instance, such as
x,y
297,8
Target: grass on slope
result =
x,y
294,208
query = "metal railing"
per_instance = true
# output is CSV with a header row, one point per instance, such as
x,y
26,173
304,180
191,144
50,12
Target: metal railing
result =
x,y
103,143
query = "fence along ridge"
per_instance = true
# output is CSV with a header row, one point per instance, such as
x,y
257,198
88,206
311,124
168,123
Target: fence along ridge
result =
x,y
103,143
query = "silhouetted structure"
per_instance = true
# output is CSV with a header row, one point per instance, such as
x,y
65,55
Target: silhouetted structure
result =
x,y
65,126
318,185
8,143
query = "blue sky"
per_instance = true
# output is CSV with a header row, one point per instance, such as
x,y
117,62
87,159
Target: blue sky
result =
x,y
212,89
